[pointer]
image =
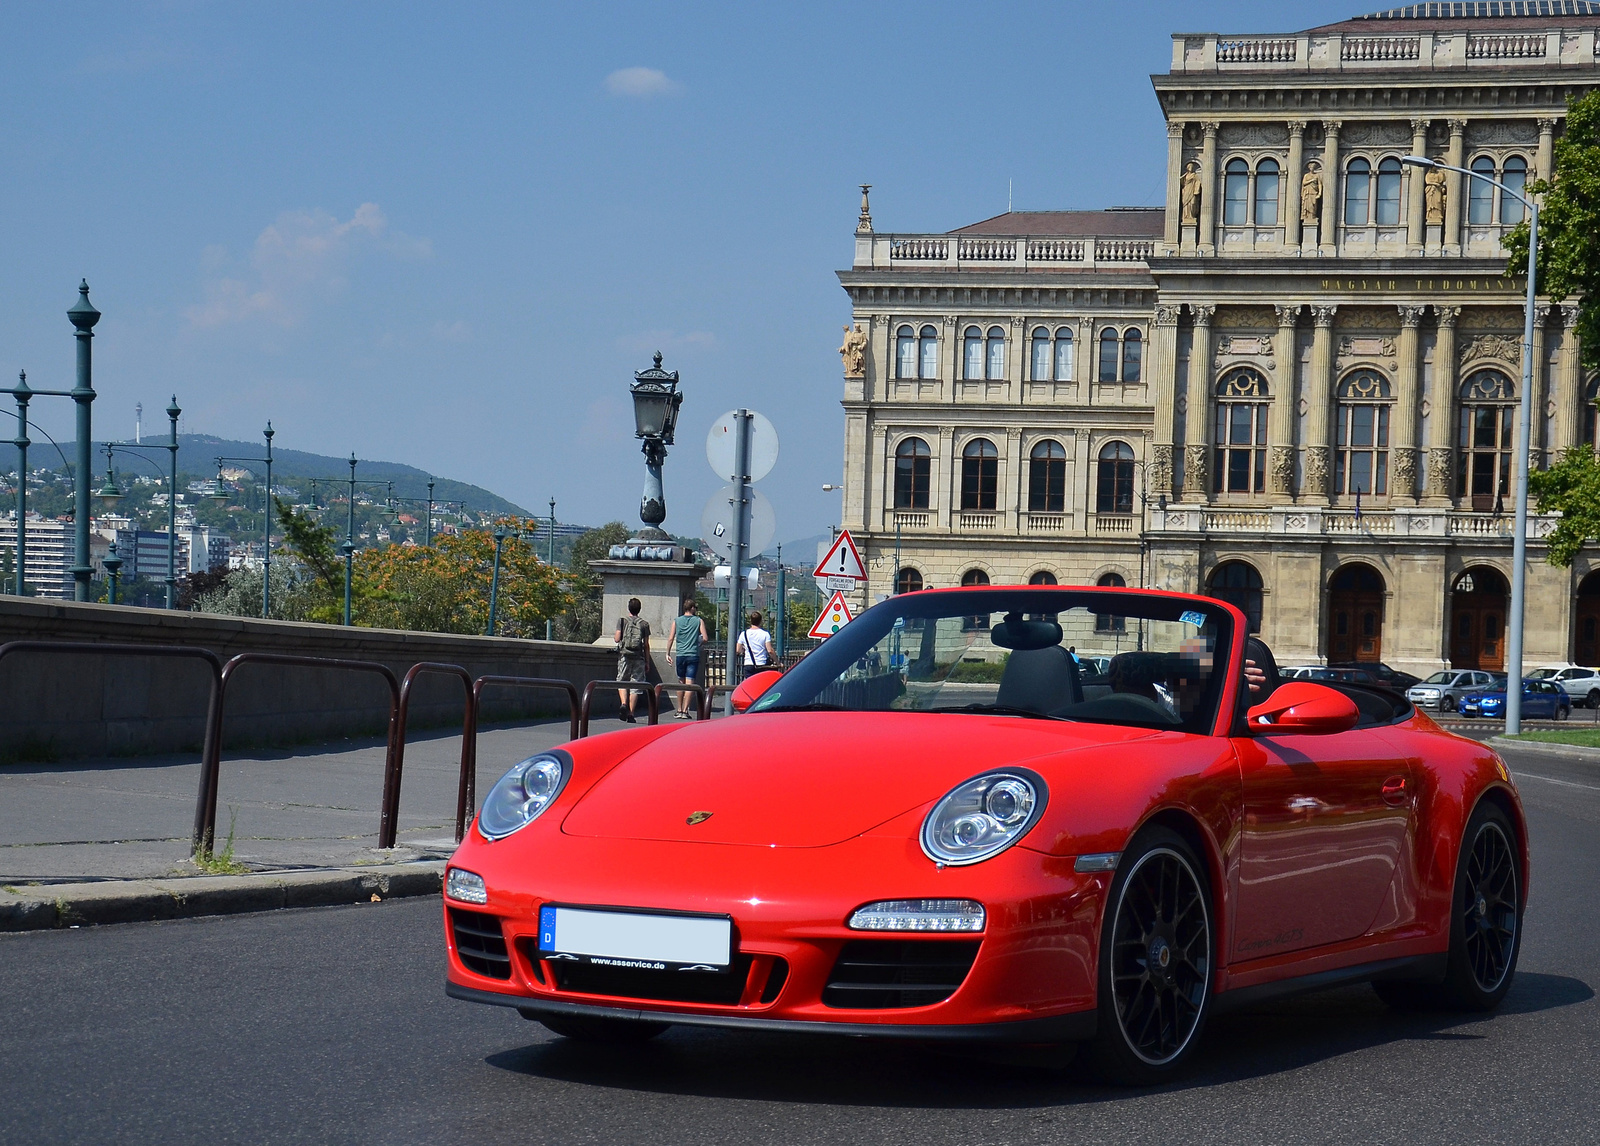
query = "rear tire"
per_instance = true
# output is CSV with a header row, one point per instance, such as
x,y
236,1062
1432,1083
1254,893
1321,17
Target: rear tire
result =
x,y
1447,704
1157,960
1593,699
593,1029
1562,712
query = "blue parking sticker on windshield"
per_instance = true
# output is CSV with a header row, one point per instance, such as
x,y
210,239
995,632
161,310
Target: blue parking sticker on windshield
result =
x,y
1193,617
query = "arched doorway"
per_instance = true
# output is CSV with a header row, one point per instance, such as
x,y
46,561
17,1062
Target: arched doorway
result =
x,y
1586,622
1478,620
1238,583
1355,615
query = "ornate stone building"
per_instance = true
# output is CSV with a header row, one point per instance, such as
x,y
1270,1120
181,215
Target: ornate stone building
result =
x,y
1295,386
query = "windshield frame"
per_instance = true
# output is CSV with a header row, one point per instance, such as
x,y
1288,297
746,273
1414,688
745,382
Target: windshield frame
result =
x,y
824,664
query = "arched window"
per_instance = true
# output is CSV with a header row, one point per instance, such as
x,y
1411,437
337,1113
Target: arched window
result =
x,y
1591,412
1361,463
971,579
974,577
928,348
1480,195
1387,211
1241,432
912,464
980,475
1108,355
1047,478
1041,355
1488,413
1132,354
972,354
1267,193
908,580
1236,192
905,353
1114,479
1110,622
1064,354
1357,192
997,353
1238,583
1515,176
1043,577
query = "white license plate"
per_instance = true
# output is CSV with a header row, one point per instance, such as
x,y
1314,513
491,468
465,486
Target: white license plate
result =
x,y
629,938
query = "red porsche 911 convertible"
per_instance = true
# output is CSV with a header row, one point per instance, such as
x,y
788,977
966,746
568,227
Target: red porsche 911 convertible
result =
x,y
1031,814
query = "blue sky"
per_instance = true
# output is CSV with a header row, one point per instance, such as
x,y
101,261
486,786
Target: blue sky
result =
x,y
448,234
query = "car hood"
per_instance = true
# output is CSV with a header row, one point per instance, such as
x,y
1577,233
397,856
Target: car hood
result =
x,y
809,779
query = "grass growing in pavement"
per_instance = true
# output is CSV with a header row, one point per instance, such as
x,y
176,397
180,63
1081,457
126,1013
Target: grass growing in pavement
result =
x,y
221,863
1583,737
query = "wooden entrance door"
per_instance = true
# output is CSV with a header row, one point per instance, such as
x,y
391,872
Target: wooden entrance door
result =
x,y
1478,621
1586,622
1355,615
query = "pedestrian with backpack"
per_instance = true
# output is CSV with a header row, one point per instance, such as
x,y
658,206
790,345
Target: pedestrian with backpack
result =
x,y
633,653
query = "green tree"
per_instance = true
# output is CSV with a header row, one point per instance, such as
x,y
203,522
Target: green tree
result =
x,y
1572,488
582,621
1569,223
312,545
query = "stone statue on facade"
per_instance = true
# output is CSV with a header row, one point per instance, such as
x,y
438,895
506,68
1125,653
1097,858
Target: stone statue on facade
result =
x,y
1433,191
854,352
1189,193
1311,195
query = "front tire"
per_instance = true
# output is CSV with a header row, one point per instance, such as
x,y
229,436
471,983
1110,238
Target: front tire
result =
x,y
593,1029
1562,712
1593,699
1157,959
1448,704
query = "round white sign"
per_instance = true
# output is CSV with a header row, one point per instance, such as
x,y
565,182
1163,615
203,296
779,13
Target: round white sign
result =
x,y
763,446
716,522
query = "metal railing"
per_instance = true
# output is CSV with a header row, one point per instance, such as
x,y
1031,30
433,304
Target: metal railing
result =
x,y
469,739
702,704
629,686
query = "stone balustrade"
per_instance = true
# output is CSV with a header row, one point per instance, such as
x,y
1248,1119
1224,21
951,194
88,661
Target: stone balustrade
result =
x,y
993,252
1309,521
1352,51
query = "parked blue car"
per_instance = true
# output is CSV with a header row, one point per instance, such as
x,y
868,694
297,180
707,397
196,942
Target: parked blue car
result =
x,y
1541,700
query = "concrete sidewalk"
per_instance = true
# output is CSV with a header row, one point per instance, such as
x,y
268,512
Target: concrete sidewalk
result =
x,y
306,808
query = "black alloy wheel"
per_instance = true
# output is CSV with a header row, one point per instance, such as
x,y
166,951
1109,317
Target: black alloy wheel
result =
x,y
1488,908
1593,699
1156,961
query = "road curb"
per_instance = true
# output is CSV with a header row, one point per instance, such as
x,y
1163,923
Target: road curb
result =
x,y
47,907
1544,746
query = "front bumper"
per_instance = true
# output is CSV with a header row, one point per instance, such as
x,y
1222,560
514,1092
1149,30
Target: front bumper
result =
x,y
1032,979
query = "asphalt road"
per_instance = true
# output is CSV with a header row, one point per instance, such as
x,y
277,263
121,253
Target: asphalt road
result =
x,y
332,1026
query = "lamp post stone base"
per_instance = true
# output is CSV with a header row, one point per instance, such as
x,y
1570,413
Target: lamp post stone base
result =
x,y
661,586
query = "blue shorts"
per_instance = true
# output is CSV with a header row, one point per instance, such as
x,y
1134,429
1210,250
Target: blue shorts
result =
x,y
688,669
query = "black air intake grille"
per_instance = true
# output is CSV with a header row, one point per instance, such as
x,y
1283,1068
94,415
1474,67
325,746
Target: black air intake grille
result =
x,y
480,943
724,987
880,973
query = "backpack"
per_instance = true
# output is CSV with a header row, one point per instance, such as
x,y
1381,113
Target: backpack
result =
x,y
633,636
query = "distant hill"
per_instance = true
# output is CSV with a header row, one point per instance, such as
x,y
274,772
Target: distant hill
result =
x,y
197,455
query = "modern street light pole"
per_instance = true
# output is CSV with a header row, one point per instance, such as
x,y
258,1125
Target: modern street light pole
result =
x,y
347,548
494,581
83,316
171,447
113,565
550,559
23,394
1519,543
221,494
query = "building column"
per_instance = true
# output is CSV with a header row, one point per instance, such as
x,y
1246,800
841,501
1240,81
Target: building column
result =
x,y
1174,185
1570,409
1017,357
1197,415
950,357
1083,362
1207,238
1547,148
1442,417
1280,426
1403,425
1416,211
1328,234
946,477
1291,201
1538,452
1163,386
1011,505
1454,208
1319,397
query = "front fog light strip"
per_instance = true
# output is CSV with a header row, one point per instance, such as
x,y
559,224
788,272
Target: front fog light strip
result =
x,y
465,886
919,915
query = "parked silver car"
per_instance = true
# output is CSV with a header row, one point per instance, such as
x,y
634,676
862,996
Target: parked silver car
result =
x,y
1444,689
1580,683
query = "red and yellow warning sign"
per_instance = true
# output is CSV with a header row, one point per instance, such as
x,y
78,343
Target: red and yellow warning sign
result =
x,y
833,618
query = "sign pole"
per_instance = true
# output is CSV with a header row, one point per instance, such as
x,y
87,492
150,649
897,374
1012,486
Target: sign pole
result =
x,y
741,478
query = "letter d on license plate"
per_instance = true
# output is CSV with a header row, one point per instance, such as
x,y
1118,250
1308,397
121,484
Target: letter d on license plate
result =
x,y
631,938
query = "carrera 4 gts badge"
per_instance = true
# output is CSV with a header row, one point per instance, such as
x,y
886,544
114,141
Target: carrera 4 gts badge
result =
x,y
697,818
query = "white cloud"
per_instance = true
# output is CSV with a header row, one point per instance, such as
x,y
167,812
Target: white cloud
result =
x,y
295,261
641,82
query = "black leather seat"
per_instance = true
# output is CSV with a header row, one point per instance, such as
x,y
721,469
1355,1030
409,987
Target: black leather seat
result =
x,y
1040,680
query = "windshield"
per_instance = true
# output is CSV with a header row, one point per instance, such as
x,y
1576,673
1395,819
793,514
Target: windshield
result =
x,y
1543,674
1072,654
1440,678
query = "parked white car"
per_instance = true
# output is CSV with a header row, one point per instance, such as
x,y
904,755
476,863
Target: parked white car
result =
x,y
1582,684
1444,689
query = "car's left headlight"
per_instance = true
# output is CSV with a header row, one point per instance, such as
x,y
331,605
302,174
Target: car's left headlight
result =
x,y
983,816
523,793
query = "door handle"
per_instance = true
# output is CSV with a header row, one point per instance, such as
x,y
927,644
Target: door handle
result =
x,y
1394,790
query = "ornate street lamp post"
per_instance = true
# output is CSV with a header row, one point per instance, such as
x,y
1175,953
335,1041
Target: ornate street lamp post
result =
x,y
221,495
113,565
171,446
655,414
83,316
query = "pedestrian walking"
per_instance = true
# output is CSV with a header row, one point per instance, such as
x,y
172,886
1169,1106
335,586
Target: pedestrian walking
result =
x,y
755,645
689,633
633,653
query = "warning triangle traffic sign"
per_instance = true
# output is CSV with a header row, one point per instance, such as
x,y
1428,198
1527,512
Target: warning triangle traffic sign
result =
x,y
833,618
843,560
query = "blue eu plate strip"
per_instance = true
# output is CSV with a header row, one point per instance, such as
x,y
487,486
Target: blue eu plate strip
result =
x,y
547,929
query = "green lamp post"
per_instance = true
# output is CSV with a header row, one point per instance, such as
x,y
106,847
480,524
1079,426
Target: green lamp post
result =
x,y
83,316
113,565
220,494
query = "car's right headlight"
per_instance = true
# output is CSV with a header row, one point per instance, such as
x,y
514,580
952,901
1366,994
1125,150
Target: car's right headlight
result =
x,y
523,793
983,816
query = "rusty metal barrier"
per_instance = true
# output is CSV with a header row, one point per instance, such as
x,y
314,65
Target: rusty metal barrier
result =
x,y
620,686
715,691
395,773
701,704
205,812
466,790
